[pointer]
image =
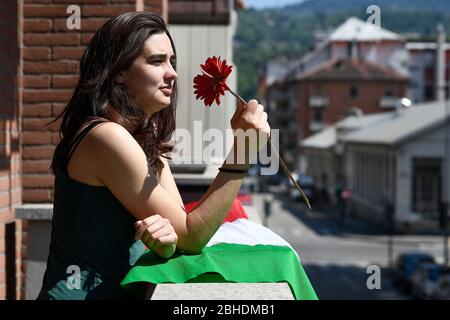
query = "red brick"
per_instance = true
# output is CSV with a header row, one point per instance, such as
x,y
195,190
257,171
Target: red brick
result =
x,y
84,1
92,24
6,214
48,95
2,292
10,197
55,138
37,1
36,195
33,137
31,81
7,183
86,38
51,39
36,25
36,54
106,11
43,11
58,108
40,109
38,152
4,184
50,67
74,53
38,180
36,166
39,124
69,81
23,252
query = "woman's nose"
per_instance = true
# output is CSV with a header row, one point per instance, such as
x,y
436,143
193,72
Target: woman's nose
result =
x,y
171,73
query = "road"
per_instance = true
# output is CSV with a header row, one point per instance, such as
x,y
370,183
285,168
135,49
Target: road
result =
x,y
336,259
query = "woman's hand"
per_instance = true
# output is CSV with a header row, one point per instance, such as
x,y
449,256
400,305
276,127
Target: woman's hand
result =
x,y
157,234
251,117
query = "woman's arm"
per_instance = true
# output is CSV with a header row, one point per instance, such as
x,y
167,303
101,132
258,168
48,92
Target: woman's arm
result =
x,y
121,165
167,181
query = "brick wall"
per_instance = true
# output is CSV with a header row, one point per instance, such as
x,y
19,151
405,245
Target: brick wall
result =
x,y
50,71
39,60
10,186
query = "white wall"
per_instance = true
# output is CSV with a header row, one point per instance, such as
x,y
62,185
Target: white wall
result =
x,y
194,44
429,145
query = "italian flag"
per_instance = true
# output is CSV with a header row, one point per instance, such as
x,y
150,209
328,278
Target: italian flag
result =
x,y
240,251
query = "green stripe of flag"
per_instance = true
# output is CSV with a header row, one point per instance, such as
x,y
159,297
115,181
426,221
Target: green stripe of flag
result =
x,y
226,262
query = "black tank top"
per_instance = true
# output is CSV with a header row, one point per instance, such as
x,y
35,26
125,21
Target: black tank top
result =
x,y
92,243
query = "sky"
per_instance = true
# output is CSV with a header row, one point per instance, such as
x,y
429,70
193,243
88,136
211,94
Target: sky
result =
x,y
258,4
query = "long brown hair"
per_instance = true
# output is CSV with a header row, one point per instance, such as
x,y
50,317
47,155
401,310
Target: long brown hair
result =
x,y
98,96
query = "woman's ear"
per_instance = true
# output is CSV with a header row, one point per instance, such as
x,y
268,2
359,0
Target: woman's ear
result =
x,y
121,77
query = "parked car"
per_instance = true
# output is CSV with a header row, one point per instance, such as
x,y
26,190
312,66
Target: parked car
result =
x,y
442,290
307,184
405,265
425,279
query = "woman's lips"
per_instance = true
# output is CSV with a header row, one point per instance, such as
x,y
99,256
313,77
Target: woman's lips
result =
x,y
167,91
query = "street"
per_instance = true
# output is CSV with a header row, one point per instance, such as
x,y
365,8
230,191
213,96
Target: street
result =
x,y
336,259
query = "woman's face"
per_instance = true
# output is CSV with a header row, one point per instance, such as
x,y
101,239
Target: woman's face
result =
x,y
152,75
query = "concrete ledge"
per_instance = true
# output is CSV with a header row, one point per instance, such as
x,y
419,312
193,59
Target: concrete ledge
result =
x,y
34,211
223,291
39,228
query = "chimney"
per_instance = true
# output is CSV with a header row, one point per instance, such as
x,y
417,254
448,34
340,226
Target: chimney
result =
x,y
440,63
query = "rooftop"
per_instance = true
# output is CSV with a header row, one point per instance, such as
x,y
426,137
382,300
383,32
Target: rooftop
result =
x,y
356,29
350,69
398,128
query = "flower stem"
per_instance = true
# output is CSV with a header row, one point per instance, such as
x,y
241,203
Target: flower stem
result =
x,y
283,165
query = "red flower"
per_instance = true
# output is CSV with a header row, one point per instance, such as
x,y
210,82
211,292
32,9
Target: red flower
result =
x,y
212,83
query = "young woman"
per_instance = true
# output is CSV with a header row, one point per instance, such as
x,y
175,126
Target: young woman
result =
x,y
114,191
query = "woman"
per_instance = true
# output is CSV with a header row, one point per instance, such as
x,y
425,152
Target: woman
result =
x,y
114,191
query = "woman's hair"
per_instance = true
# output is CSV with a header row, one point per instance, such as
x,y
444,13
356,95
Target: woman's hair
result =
x,y
98,96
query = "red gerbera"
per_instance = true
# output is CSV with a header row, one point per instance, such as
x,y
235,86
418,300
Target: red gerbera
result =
x,y
210,85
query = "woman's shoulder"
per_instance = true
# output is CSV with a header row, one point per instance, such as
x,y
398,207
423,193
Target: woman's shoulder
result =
x,y
109,134
111,141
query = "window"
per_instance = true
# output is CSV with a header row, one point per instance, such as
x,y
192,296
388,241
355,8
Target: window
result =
x,y
389,92
353,91
429,93
318,115
426,186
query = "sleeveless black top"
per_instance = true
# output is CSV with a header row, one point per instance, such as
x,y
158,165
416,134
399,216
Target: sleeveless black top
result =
x,y
92,243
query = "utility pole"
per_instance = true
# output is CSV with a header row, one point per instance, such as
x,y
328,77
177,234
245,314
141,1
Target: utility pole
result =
x,y
446,201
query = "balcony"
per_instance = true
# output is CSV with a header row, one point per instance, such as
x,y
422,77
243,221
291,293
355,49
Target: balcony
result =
x,y
388,102
318,101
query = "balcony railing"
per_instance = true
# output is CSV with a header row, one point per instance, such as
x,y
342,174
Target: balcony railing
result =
x,y
318,101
